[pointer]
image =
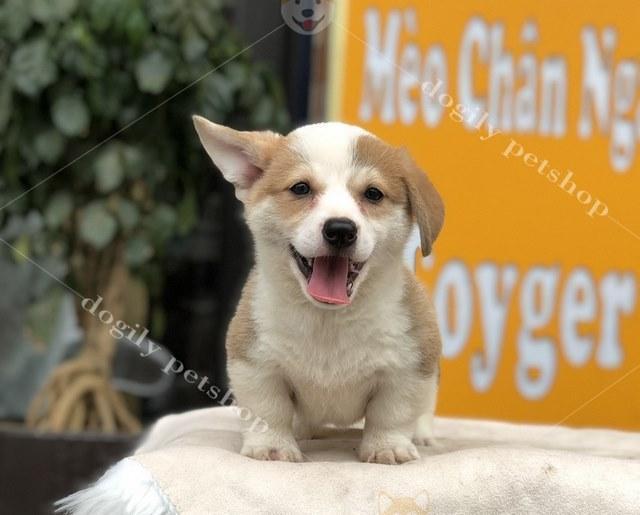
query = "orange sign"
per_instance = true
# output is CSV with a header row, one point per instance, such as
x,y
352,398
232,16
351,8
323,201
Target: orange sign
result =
x,y
527,117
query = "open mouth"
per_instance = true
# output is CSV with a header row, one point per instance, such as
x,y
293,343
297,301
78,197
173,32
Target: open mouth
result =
x,y
308,24
330,279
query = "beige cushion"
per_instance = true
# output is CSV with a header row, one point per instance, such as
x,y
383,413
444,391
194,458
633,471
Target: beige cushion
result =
x,y
191,464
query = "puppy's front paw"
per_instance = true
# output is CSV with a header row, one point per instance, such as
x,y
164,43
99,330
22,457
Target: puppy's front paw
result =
x,y
388,452
272,452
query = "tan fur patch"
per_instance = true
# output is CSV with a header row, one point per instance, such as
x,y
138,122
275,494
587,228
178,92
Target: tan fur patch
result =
x,y
384,161
424,325
286,168
405,182
242,331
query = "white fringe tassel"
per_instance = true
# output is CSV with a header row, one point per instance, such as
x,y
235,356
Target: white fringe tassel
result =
x,y
127,488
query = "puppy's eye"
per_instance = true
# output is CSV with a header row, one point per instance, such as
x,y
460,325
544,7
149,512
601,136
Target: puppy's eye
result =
x,y
373,195
301,189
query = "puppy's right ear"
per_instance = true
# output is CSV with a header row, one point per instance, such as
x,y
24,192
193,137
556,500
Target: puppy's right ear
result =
x,y
242,157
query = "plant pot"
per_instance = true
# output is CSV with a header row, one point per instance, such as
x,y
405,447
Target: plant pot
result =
x,y
37,469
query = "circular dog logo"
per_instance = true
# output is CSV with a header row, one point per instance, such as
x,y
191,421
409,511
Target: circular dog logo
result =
x,y
308,16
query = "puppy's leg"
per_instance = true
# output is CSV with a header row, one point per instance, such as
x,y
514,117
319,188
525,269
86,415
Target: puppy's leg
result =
x,y
424,427
302,429
389,424
267,397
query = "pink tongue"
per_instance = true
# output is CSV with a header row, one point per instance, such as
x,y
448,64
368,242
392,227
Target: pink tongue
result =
x,y
307,24
328,281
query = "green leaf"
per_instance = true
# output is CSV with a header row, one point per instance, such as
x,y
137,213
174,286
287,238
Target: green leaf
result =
x,y
135,161
46,11
105,95
97,227
193,44
70,115
129,113
206,16
109,168
80,53
251,93
58,209
238,74
264,113
162,222
128,214
166,14
138,251
101,13
21,249
153,72
137,27
15,19
32,68
19,225
49,146
218,93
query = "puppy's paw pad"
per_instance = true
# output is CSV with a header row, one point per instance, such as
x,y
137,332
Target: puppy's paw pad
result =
x,y
266,453
390,455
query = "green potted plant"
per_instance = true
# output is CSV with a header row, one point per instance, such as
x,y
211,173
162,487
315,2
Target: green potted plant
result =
x,y
100,168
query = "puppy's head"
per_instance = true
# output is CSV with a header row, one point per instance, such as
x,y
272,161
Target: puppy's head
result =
x,y
329,205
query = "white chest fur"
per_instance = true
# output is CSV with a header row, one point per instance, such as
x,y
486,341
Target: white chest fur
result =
x,y
332,359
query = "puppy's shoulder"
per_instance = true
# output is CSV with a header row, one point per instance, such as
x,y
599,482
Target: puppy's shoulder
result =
x,y
242,329
423,323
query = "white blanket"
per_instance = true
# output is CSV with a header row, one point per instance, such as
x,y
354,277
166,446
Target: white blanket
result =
x,y
189,465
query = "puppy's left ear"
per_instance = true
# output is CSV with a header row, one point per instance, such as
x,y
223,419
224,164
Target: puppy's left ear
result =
x,y
426,204
242,157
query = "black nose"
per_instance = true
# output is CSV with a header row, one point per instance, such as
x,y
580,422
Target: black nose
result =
x,y
340,232
307,13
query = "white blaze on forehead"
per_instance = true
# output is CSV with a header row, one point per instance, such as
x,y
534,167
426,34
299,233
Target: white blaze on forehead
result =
x,y
328,149
328,146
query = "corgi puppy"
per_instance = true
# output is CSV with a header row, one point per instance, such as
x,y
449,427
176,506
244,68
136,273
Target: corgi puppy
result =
x,y
331,327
